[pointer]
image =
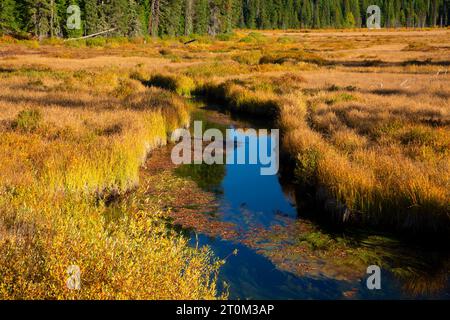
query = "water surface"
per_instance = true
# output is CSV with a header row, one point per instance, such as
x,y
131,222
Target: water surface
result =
x,y
257,203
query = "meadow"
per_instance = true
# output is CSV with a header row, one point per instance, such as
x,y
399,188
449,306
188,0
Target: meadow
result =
x,y
72,145
364,118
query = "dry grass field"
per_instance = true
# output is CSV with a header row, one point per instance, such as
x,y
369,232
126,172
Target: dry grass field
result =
x,y
364,116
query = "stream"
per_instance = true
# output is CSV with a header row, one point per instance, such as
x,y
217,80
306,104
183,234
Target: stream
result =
x,y
268,265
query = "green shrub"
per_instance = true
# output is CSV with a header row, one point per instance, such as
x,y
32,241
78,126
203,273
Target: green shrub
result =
x,y
117,40
32,44
126,87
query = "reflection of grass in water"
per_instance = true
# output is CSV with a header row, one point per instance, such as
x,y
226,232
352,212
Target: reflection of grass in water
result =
x,y
201,115
303,248
208,177
186,232
420,271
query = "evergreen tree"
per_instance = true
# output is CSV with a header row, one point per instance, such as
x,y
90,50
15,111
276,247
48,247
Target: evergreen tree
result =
x,y
189,17
337,15
48,18
201,16
354,8
134,22
251,13
227,13
421,13
264,20
306,14
72,33
8,22
118,16
172,18
349,20
325,10
40,12
154,17
91,14
316,15
390,14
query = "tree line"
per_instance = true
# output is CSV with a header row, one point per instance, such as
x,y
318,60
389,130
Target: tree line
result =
x,y
48,18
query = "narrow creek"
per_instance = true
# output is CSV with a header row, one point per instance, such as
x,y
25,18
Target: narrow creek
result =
x,y
282,256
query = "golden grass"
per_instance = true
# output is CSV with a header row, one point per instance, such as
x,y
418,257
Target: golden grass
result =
x,y
69,140
364,115
388,166
369,128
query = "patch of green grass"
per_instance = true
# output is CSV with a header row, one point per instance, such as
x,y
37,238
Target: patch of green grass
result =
x,y
254,37
285,40
306,166
418,135
341,97
208,177
76,43
28,120
388,128
316,240
226,36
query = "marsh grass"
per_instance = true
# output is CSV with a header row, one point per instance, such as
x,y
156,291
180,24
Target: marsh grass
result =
x,y
377,148
239,99
357,250
28,120
368,131
360,176
179,84
135,257
59,164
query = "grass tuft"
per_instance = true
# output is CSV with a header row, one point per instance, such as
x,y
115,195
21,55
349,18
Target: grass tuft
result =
x,y
28,120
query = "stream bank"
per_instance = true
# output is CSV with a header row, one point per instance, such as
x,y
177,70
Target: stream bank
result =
x,y
281,255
